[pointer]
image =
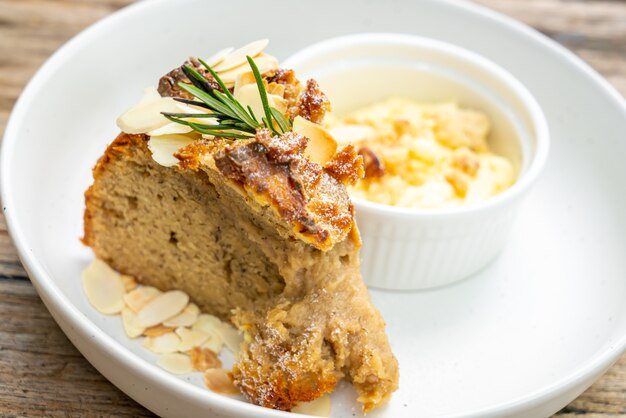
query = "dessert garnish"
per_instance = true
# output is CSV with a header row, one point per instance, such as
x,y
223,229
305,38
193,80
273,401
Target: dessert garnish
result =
x,y
232,120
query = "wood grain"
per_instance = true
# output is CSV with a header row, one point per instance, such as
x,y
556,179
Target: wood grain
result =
x,y
42,374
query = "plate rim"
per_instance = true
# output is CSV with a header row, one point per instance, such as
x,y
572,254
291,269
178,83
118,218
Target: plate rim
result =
x,y
42,281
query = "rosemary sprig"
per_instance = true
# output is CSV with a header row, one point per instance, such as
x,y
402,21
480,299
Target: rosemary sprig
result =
x,y
233,120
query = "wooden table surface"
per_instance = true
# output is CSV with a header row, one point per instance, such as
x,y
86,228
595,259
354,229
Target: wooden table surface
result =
x,y
42,374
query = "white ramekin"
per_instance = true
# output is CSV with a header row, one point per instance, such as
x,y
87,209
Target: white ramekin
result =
x,y
422,248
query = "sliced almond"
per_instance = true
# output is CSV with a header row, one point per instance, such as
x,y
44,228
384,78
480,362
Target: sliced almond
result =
x,y
230,77
203,359
207,323
139,297
170,129
210,325
243,79
248,95
166,343
319,407
146,116
129,282
219,381
231,337
162,308
278,102
219,56
128,320
276,89
322,146
104,288
188,108
190,338
157,330
164,147
186,318
176,363
178,128
264,63
238,57
214,343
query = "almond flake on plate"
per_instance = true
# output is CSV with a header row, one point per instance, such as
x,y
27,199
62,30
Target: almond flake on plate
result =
x,y
207,323
231,337
162,308
203,359
176,363
139,297
128,320
319,407
184,319
214,343
322,146
166,343
157,330
218,332
238,57
190,338
104,288
219,381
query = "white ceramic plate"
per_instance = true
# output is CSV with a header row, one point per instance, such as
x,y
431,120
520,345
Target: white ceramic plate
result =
x,y
522,338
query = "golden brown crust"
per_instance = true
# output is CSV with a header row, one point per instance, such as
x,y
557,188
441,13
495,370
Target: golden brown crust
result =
x,y
313,103
293,88
346,166
277,173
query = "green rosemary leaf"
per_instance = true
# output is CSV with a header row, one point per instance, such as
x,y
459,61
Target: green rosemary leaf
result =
x,y
197,79
252,114
236,107
282,122
233,120
218,79
215,104
190,115
266,107
234,104
220,126
192,102
219,133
